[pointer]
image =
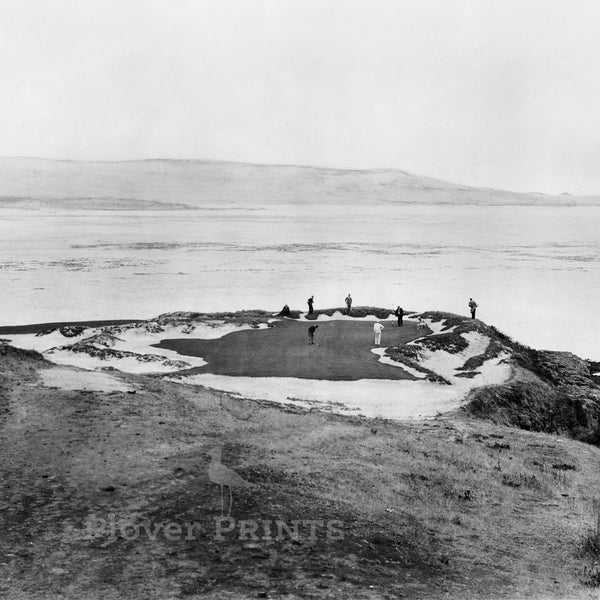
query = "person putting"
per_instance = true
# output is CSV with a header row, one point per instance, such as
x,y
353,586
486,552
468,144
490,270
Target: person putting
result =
x,y
348,304
377,329
310,302
311,333
399,312
472,307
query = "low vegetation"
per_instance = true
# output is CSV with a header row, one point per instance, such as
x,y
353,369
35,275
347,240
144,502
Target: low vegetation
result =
x,y
590,549
357,312
241,317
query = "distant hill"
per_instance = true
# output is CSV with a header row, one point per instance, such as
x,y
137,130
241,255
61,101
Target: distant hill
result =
x,y
32,182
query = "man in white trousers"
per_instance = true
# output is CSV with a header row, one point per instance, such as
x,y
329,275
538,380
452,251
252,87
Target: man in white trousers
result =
x,y
377,329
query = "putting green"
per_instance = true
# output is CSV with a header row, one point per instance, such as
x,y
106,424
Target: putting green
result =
x,y
342,351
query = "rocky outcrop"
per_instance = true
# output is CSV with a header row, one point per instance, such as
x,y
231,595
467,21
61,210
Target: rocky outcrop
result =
x,y
68,331
555,392
72,330
186,318
103,339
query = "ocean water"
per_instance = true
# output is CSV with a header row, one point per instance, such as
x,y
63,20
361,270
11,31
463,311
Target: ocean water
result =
x,y
534,271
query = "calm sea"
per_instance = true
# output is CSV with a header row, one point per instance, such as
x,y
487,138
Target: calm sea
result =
x,y
535,272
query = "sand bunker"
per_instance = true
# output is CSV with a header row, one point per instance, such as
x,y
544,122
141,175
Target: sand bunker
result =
x,y
127,348
397,399
70,379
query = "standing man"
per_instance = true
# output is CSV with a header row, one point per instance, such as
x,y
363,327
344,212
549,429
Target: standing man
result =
x,y
310,305
473,307
377,329
311,333
348,303
400,314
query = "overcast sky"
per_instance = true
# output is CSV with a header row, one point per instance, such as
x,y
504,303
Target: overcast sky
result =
x,y
498,93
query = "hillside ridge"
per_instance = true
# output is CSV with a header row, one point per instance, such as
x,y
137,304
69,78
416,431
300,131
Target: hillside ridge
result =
x,y
201,182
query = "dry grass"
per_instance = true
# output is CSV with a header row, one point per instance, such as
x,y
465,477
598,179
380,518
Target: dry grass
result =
x,y
439,509
590,549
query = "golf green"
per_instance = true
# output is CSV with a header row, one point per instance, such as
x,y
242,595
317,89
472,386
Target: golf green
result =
x,y
342,351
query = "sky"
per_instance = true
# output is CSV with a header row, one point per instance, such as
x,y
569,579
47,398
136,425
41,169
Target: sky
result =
x,y
504,93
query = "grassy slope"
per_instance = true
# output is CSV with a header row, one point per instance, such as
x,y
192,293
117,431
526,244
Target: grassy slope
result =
x,y
343,351
440,509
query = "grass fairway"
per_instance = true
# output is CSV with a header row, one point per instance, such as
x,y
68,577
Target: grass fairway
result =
x,y
342,351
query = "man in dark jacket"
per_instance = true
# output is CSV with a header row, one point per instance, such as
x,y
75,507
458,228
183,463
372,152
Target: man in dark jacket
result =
x,y
400,314
310,305
348,304
311,333
473,307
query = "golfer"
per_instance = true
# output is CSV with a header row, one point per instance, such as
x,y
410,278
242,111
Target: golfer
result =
x,y
377,329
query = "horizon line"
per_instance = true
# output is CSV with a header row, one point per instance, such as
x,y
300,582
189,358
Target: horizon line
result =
x,y
292,165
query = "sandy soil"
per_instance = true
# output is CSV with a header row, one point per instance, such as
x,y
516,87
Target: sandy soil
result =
x,y
71,379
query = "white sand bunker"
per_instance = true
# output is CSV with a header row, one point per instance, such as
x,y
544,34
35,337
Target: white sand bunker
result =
x,y
449,364
127,348
70,379
339,316
393,399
